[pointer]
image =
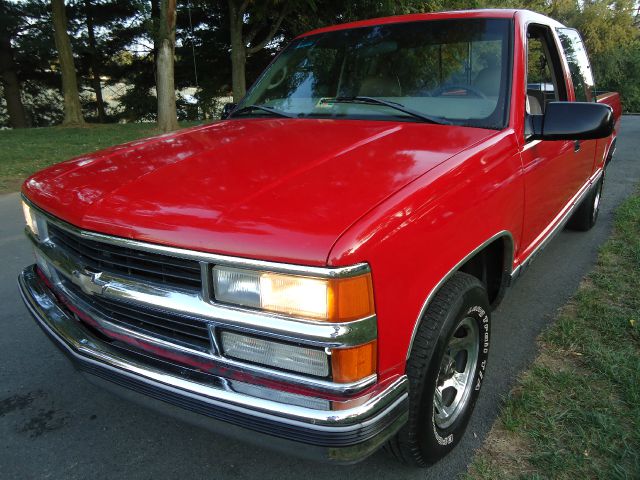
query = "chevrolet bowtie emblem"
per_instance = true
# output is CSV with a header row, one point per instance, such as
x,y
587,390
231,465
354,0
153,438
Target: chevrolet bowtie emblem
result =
x,y
89,282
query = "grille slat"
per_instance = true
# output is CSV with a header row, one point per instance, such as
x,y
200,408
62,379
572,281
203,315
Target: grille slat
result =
x,y
152,267
137,265
139,268
180,324
106,249
187,330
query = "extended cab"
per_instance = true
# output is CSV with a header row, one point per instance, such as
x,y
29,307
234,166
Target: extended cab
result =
x,y
317,271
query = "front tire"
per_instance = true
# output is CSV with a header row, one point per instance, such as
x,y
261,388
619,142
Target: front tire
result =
x,y
445,370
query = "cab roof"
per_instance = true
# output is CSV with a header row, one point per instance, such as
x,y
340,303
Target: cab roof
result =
x,y
527,15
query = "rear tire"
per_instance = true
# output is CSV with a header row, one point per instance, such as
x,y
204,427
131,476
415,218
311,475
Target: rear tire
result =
x,y
445,370
586,215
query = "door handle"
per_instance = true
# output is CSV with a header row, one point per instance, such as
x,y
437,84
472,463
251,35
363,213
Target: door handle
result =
x,y
576,146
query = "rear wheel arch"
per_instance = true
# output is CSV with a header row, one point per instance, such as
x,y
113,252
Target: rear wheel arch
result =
x,y
610,152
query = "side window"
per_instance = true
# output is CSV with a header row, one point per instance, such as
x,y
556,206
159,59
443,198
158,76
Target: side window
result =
x,y
544,81
579,66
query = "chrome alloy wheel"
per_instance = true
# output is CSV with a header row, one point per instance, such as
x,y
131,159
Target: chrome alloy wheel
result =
x,y
596,202
455,377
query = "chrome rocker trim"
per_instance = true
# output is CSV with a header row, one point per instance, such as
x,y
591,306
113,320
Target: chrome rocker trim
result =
x,y
556,225
343,432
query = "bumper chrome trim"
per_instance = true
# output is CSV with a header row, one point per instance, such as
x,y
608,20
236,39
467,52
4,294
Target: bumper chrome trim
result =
x,y
347,431
62,264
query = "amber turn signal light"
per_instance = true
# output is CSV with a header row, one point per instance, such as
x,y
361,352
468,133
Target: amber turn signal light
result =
x,y
353,364
350,298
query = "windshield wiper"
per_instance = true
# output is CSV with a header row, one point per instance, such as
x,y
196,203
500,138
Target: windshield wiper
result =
x,y
263,108
396,106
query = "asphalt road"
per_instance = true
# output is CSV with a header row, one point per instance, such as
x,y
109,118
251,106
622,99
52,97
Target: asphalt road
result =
x,y
54,424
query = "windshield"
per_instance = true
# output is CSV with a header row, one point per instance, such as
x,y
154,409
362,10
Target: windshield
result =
x,y
450,71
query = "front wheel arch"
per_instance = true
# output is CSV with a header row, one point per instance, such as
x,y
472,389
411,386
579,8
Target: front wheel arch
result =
x,y
502,240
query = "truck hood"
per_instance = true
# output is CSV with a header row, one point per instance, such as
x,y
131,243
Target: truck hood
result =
x,y
273,189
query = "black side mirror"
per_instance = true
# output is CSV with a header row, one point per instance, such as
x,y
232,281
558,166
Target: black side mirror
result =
x,y
573,121
227,109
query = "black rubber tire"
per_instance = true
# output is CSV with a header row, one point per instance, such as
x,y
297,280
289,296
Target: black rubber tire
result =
x,y
421,442
586,215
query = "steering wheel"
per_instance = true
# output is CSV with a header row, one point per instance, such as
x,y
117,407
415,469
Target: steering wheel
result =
x,y
440,91
279,80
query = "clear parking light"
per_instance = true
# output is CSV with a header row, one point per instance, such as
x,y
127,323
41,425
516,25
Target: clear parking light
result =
x,y
31,219
293,358
333,300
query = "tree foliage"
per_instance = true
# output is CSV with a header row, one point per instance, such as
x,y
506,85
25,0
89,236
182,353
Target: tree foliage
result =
x,y
613,42
31,40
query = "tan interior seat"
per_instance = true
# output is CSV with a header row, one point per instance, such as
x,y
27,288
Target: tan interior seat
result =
x,y
533,105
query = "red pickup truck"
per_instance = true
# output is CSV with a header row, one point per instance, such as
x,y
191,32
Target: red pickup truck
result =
x,y
316,272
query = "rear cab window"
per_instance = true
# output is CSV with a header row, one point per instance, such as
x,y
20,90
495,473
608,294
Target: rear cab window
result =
x,y
579,66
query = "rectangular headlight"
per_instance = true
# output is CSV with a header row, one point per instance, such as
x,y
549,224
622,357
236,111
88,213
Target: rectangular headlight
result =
x,y
275,354
31,219
333,300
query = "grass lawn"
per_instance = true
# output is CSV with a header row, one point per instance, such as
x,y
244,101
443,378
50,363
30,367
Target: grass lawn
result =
x,y
25,151
576,412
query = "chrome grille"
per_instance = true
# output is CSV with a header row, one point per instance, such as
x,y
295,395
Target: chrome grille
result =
x,y
190,331
145,266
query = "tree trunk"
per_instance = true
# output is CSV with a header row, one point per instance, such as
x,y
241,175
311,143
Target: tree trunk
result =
x,y
243,45
11,84
95,64
165,86
238,51
72,108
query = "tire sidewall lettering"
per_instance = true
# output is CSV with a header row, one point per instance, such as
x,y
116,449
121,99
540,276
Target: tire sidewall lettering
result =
x,y
444,441
446,438
463,296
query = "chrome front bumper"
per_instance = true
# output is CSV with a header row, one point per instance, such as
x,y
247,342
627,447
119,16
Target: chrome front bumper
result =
x,y
313,427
